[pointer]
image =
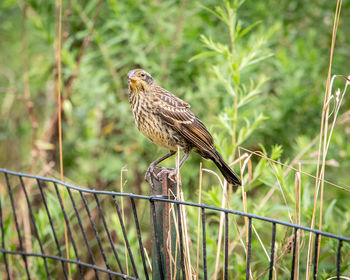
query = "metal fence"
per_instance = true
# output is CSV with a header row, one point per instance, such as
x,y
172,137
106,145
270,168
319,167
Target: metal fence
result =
x,y
37,213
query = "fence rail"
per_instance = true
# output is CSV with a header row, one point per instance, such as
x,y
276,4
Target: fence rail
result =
x,y
34,207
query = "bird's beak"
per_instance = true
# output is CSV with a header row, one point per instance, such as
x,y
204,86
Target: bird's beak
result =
x,y
132,77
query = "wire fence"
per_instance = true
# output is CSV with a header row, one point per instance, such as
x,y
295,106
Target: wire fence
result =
x,y
37,212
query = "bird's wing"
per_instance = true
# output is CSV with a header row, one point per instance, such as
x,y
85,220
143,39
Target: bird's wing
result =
x,y
170,99
177,114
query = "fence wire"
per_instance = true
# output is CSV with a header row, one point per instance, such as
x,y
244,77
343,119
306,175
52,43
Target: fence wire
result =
x,y
36,213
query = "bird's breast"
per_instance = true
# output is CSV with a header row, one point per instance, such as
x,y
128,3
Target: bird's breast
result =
x,y
152,126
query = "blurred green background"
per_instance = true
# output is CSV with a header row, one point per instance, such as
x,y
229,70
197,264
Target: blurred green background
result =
x,y
255,75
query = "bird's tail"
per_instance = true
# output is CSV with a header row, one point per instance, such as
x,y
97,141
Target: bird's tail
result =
x,y
230,176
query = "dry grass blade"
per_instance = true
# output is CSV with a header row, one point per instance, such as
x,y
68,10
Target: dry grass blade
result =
x,y
282,192
244,196
299,172
221,226
172,257
168,231
148,260
175,218
185,233
59,102
217,176
290,167
260,241
319,184
187,240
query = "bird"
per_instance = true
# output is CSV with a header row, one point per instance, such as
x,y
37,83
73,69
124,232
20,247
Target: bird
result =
x,y
167,121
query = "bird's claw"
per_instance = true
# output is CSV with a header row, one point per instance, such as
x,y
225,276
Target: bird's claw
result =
x,y
148,173
172,172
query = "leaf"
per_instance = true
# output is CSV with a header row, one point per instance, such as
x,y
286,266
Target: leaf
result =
x,y
277,151
247,29
259,168
329,212
247,130
258,59
202,54
212,12
7,224
218,47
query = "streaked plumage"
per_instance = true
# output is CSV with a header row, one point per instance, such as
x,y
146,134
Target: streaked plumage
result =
x,y
168,122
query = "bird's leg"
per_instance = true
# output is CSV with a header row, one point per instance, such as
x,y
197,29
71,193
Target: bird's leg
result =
x,y
154,163
175,172
184,159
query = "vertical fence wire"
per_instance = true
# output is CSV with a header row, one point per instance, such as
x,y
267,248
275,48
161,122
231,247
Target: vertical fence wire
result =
x,y
99,242
70,234
125,236
182,261
292,270
157,240
249,247
139,237
316,256
16,223
272,255
4,255
52,228
340,243
204,238
107,231
226,247
87,244
35,226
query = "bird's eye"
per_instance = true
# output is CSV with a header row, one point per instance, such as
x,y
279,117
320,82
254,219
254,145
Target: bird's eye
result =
x,y
143,74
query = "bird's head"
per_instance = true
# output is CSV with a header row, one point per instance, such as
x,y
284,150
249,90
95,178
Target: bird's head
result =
x,y
139,80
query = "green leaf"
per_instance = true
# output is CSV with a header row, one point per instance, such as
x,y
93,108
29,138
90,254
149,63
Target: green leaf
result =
x,y
247,29
329,212
277,151
212,12
201,55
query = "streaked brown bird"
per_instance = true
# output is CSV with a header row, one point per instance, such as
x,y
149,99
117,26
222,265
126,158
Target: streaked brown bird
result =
x,y
168,122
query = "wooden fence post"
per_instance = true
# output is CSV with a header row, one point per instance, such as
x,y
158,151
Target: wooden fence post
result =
x,y
162,186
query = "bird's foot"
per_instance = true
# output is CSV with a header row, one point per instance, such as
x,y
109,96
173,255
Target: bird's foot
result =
x,y
172,172
148,173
